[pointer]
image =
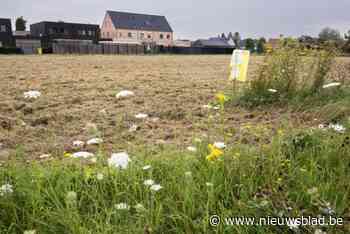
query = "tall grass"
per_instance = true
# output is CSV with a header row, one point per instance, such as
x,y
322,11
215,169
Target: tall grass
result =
x,y
302,173
291,75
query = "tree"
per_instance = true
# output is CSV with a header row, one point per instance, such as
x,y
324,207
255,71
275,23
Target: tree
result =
x,y
260,46
329,34
346,47
250,44
20,24
237,40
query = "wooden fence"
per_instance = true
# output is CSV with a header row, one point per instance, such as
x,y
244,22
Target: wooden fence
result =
x,y
58,48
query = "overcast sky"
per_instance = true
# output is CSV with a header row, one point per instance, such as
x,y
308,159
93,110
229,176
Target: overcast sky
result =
x,y
192,19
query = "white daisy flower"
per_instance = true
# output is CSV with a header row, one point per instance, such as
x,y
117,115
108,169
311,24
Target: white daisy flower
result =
x,y
6,189
148,182
94,141
272,90
33,94
119,160
220,145
122,206
124,94
147,167
141,116
334,84
99,176
83,155
78,143
192,149
156,187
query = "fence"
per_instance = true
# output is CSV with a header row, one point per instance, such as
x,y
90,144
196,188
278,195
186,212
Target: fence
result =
x,y
59,48
65,48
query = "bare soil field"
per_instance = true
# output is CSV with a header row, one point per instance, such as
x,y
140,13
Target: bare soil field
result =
x,y
78,102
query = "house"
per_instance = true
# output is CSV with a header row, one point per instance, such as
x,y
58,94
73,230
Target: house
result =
x,y
6,37
212,43
50,32
182,43
126,27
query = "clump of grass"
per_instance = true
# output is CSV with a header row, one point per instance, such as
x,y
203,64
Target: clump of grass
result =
x,y
299,173
291,76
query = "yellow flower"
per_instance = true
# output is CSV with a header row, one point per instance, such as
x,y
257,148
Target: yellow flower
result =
x,y
215,153
67,155
221,98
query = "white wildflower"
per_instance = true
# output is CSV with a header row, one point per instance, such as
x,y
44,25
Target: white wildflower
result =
x,y
188,174
272,90
139,207
83,154
208,184
122,206
337,128
31,94
29,232
94,141
334,84
192,149
44,156
312,191
148,182
141,116
147,167
319,231
99,176
119,160
78,143
321,126
220,145
124,94
156,187
6,189
71,196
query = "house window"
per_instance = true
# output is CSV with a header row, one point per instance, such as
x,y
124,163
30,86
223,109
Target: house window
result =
x,y
161,36
120,34
51,31
142,35
168,36
130,35
2,28
149,36
107,34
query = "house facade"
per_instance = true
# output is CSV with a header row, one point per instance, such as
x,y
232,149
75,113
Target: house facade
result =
x,y
6,37
53,31
123,27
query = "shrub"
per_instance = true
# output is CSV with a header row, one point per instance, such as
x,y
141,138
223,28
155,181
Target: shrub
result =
x,y
290,73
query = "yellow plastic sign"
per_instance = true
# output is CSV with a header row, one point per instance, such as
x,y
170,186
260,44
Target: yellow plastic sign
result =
x,y
239,65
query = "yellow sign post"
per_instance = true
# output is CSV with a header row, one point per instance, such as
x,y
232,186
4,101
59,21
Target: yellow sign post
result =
x,y
239,65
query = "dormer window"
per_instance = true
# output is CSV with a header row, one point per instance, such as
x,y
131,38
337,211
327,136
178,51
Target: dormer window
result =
x,y
3,28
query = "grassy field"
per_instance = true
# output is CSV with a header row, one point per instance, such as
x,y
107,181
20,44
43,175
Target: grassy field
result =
x,y
278,160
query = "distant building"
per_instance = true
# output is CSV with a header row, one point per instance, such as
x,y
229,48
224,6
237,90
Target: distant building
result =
x,y
212,43
62,31
182,43
126,27
6,37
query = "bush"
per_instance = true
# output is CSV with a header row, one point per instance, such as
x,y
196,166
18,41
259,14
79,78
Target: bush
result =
x,y
290,73
10,50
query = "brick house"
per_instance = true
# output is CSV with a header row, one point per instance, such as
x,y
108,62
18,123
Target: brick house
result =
x,y
6,37
123,27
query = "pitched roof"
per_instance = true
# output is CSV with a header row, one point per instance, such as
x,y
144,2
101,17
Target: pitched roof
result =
x,y
5,21
125,20
213,42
